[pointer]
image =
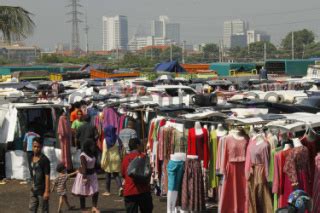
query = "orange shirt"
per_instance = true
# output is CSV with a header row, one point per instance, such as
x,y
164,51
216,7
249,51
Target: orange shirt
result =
x,y
73,115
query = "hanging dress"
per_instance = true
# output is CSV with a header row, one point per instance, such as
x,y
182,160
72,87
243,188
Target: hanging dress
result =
x,y
257,172
233,197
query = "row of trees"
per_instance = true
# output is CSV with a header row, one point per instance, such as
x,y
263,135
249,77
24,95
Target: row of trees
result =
x,y
16,23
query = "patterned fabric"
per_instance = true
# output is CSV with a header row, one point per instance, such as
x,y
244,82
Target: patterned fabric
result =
x,y
297,160
61,184
316,186
192,187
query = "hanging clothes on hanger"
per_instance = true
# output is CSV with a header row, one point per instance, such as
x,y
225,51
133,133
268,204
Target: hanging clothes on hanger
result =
x,y
198,145
297,167
257,173
193,196
316,186
233,195
213,149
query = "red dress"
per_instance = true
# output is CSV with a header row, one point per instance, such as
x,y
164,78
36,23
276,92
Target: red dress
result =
x,y
233,195
297,167
195,148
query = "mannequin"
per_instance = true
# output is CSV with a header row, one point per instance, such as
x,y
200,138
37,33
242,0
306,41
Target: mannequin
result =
x,y
286,147
221,131
175,170
198,143
205,126
198,128
236,134
259,139
213,128
296,142
192,157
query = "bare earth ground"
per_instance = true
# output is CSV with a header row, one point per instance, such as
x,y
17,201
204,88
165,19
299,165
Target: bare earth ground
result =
x,y
14,198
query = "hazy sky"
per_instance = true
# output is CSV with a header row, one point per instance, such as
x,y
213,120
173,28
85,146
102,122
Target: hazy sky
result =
x,y
201,20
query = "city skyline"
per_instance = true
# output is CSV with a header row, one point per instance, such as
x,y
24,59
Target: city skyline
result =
x,y
201,20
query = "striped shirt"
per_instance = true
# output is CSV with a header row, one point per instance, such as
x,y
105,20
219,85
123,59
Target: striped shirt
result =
x,y
61,184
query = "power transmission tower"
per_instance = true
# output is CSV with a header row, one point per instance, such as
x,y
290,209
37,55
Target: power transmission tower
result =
x,y
75,20
86,31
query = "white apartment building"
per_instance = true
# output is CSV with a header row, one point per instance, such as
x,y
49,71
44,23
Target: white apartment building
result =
x,y
115,33
256,36
234,33
141,42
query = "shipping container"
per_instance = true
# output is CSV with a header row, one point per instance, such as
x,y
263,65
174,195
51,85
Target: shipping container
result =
x,y
294,68
234,69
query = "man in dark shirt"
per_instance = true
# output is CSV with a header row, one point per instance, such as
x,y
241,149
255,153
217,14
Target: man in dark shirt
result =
x,y
40,167
86,131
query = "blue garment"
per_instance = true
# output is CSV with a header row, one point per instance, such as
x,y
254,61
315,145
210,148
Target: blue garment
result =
x,y
110,136
175,171
28,139
263,74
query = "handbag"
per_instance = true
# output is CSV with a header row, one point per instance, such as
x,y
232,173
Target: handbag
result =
x,y
139,169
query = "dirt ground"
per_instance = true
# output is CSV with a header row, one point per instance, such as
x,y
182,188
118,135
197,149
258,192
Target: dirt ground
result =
x,y
14,198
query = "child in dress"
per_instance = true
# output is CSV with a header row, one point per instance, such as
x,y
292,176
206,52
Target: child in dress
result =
x,y
61,184
86,182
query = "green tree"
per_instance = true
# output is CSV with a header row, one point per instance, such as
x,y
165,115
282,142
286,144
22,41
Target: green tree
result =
x,y
50,59
211,52
312,50
15,23
176,54
238,53
256,50
301,39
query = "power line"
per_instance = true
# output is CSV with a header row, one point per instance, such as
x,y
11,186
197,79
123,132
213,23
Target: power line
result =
x,y
75,20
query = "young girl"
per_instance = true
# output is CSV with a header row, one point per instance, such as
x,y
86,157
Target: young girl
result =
x,y
86,182
61,184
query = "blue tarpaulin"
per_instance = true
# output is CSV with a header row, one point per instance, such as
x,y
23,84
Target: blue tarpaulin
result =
x,y
173,66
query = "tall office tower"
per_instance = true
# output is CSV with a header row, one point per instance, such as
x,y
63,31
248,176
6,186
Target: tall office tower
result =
x,y
234,33
115,33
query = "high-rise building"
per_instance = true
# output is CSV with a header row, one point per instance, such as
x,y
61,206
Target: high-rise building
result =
x,y
164,28
256,36
115,33
234,33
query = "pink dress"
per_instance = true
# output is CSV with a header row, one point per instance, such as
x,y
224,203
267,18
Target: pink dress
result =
x,y
80,187
316,186
297,168
64,131
233,193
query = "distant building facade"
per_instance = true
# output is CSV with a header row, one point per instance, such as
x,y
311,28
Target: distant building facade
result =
x,y
256,36
165,29
234,33
115,33
142,42
20,53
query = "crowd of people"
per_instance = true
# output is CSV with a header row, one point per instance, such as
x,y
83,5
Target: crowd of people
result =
x,y
119,152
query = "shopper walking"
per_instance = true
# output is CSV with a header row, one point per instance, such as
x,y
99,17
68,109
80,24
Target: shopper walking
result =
x,y
137,195
40,167
111,161
86,182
